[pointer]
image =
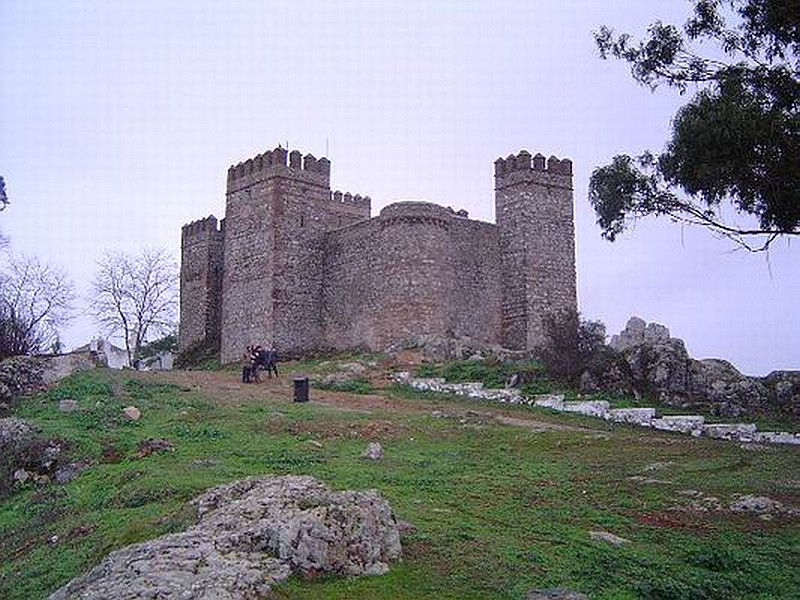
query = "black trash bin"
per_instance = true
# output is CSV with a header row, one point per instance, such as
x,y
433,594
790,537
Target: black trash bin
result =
x,y
301,389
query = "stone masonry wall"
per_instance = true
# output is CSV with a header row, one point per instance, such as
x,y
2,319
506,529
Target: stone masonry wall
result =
x,y
350,300
415,269
306,268
277,213
201,285
534,210
476,309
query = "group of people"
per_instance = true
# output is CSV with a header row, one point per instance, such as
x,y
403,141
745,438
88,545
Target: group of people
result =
x,y
256,358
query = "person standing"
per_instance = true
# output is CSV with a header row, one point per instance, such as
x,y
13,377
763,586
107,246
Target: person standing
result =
x,y
246,364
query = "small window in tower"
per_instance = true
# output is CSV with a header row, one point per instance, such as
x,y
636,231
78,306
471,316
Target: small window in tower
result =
x,y
302,221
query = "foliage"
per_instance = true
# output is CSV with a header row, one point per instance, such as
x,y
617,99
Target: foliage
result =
x,y
135,296
35,301
735,145
491,373
571,344
200,355
497,510
168,343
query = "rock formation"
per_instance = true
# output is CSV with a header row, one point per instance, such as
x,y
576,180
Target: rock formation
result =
x,y
658,365
250,535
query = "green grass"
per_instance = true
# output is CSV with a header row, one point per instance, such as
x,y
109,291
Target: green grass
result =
x,y
497,510
354,386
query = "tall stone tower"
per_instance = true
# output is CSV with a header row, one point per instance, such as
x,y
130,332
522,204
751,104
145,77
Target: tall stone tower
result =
x,y
275,217
201,282
534,213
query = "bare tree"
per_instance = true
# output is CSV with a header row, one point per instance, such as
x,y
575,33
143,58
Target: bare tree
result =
x,y
35,301
135,296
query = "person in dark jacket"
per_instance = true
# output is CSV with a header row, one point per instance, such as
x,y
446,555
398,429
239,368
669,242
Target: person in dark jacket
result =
x,y
247,364
269,358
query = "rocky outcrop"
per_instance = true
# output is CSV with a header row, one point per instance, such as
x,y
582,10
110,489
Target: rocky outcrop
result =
x,y
442,348
659,366
250,535
25,455
22,375
19,375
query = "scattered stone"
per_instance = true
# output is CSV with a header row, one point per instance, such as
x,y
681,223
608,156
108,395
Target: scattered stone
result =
x,y
778,437
203,463
352,367
66,473
374,451
250,535
555,594
658,465
759,504
437,414
743,432
21,476
636,416
648,480
554,401
132,413
153,445
605,536
592,408
67,405
691,424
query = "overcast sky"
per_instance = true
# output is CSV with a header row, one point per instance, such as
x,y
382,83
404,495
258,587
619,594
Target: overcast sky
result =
x,y
118,121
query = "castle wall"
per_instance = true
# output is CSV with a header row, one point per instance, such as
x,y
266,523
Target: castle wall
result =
x,y
305,268
476,309
415,272
277,213
415,269
201,282
350,301
534,211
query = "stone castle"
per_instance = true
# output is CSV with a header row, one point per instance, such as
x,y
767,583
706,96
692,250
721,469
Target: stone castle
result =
x,y
296,265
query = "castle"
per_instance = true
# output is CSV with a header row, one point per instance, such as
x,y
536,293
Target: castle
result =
x,y
296,265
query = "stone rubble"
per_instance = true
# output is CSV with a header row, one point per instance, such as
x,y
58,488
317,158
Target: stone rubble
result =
x,y
250,535
373,451
694,425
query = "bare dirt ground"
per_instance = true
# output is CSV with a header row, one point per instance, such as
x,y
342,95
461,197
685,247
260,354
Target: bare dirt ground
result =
x,y
226,388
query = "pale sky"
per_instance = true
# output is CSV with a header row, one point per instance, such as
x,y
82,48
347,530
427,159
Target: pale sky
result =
x,y
118,121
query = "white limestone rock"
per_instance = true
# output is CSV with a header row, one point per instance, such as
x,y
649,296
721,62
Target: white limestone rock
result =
x,y
250,535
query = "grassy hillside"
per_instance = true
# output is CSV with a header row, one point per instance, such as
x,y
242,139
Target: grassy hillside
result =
x,y
501,499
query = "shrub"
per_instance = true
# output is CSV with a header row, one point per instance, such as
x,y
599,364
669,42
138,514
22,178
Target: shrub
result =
x,y
571,344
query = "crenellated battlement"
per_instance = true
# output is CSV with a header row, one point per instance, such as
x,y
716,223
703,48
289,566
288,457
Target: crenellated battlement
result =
x,y
351,199
200,228
300,265
525,164
279,162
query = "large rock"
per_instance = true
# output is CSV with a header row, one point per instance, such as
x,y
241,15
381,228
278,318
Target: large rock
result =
x,y
251,534
659,366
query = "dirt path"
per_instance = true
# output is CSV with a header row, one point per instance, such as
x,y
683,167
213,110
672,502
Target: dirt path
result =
x,y
225,388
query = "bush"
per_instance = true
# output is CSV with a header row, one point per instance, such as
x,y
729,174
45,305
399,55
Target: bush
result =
x,y
201,355
571,344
